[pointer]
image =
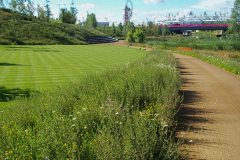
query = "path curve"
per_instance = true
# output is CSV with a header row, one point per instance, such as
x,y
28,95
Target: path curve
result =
x,y
210,115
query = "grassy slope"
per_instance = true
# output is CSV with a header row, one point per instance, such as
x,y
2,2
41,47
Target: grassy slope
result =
x,y
37,67
125,113
20,29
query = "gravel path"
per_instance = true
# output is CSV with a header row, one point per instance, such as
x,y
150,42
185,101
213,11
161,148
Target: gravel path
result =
x,y
210,116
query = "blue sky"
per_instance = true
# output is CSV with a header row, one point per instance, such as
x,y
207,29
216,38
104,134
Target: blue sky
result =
x,y
112,10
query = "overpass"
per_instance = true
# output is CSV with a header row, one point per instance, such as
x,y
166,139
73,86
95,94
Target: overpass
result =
x,y
181,28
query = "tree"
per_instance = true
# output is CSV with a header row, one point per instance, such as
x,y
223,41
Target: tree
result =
x,y
91,20
48,10
150,24
120,27
41,13
13,5
30,8
165,31
67,16
2,4
139,36
73,11
120,30
128,27
235,18
114,31
21,7
129,37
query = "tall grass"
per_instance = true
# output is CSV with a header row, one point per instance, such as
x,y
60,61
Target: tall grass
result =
x,y
125,113
230,63
200,40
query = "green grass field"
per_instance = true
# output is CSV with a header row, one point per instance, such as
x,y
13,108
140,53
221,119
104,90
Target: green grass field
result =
x,y
39,67
123,113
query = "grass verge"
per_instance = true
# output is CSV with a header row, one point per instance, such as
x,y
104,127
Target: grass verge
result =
x,y
125,113
202,40
228,62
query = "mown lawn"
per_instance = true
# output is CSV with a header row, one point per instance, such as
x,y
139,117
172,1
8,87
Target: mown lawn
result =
x,y
31,68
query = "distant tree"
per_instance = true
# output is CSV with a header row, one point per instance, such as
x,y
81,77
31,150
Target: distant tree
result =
x,y
165,31
235,18
48,10
21,7
13,5
150,28
159,30
120,30
114,31
2,4
91,20
139,36
129,37
30,8
120,27
128,27
73,11
41,13
67,16
150,24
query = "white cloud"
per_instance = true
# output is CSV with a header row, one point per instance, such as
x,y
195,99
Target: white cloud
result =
x,y
88,6
153,1
213,4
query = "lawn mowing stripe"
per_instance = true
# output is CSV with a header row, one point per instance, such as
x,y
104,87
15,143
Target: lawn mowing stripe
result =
x,y
54,65
20,69
5,69
44,66
33,71
62,60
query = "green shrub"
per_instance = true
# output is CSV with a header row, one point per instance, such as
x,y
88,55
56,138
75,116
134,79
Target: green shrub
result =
x,y
139,36
130,37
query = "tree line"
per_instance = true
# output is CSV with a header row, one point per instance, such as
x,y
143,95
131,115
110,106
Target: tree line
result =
x,y
28,7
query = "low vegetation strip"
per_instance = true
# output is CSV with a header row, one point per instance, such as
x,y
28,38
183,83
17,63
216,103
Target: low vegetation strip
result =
x,y
202,40
230,62
124,113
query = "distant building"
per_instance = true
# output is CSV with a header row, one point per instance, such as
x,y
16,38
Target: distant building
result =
x,y
103,24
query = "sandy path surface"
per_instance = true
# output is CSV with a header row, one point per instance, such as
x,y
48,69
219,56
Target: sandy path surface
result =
x,y
124,43
210,115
